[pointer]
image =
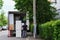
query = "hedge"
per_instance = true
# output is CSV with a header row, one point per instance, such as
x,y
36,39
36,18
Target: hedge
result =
x,y
31,27
50,30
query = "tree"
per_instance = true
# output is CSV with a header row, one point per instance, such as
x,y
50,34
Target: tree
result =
x,y
1,4
3,19
44,12
24,6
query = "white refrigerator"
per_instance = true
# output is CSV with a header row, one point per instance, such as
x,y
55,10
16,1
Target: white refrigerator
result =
x,y
18,28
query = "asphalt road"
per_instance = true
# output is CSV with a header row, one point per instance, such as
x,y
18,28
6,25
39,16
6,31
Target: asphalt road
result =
x,y
4,32
4,36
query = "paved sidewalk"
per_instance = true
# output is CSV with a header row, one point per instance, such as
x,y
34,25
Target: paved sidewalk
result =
x,y
4,37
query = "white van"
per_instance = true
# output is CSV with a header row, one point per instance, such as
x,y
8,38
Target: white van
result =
x,y
5,27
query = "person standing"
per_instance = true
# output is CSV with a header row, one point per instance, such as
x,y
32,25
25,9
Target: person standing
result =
x,y
24,31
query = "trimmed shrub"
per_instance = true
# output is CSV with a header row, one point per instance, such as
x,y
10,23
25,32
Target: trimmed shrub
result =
x,y
31,28
50,30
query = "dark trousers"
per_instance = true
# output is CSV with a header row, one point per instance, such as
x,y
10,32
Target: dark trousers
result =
x,y
24,33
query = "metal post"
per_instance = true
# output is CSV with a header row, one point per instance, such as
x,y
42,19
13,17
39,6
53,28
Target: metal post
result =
x,y
27,19
34,17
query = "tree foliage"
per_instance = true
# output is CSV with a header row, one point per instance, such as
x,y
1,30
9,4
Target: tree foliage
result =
x,y
44,12
3,19
1,4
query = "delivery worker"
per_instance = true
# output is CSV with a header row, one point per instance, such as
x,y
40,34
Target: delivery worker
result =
x,y
24,31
